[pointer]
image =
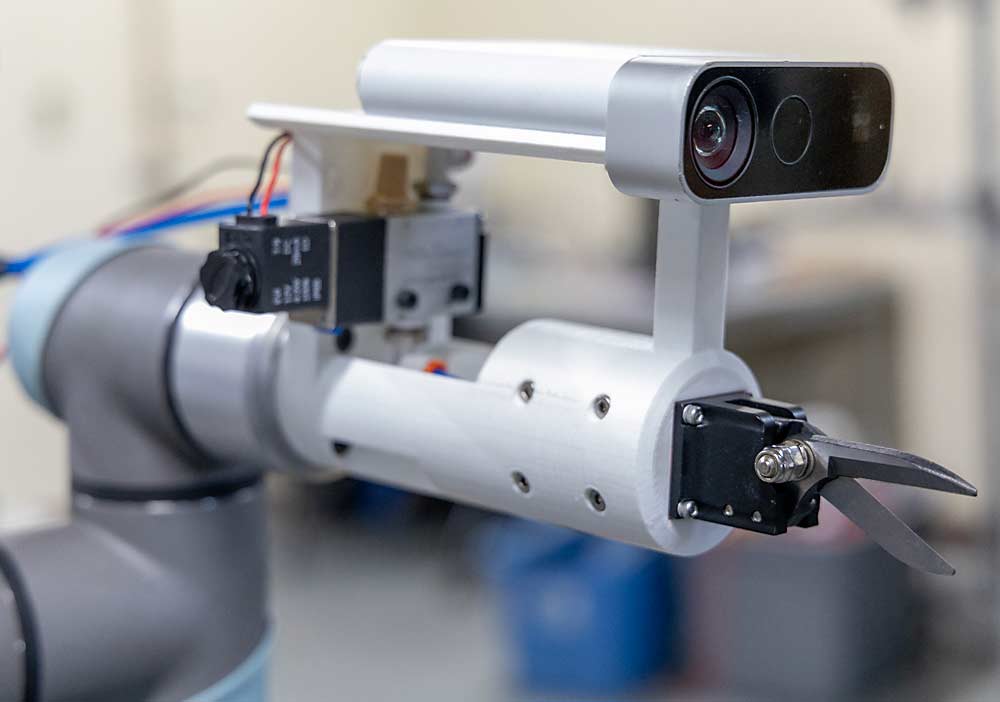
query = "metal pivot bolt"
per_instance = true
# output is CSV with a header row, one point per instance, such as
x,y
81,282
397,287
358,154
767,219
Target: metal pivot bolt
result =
x,y
785,462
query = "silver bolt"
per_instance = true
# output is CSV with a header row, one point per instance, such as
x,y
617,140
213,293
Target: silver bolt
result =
x,y
526,390
756,517
687,509
692,415
602,405
784,463
728,510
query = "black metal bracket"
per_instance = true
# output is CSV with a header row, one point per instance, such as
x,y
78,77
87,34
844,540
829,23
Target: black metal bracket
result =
x,y
713,464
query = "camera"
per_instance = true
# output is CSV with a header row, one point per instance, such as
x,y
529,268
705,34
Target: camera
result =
x,y
675,124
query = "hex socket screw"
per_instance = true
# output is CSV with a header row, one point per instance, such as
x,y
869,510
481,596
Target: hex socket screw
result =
x,y
687,509
692,415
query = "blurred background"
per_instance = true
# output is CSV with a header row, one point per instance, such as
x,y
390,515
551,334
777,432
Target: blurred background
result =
x,y
876,313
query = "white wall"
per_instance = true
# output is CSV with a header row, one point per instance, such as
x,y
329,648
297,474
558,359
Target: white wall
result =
x,y
67,157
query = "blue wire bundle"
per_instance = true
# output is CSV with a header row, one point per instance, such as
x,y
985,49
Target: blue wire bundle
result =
x,y
22,264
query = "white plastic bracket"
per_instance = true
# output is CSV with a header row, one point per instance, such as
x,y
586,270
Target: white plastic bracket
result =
x,y
692,268
692,257
309,176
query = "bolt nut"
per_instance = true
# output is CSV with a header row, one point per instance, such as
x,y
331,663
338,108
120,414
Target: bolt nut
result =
x,y
692,415
784,463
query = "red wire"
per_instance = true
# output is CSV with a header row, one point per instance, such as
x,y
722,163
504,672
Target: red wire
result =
x,y
171,208
275,171
434,365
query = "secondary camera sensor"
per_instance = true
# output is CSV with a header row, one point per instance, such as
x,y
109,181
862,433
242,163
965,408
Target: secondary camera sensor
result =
x,y
722,131
791,130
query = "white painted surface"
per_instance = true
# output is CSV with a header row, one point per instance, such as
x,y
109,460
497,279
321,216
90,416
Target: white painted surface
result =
x,y
466,439
402,130
558,87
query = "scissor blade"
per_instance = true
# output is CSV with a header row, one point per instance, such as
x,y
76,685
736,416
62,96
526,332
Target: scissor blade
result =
x,y
884,527
851,459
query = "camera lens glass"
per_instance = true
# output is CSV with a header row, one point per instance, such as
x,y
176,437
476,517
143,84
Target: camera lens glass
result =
x,y
722,131
712,133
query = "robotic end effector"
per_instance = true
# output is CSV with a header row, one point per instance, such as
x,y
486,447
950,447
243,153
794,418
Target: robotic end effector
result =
x,y
759,465
696,134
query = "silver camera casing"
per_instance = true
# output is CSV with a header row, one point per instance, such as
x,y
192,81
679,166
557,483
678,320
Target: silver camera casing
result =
x,y
638,99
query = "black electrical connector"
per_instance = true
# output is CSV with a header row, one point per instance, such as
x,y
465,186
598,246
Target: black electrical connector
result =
x,y
353,268
263,265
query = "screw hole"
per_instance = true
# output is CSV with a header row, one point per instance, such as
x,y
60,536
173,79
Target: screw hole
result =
x,y
521,482
407,299
340,448
602,405
345,339
526,390
596,500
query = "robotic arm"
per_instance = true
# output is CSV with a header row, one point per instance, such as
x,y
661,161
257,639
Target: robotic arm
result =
x,y
177,394
661,441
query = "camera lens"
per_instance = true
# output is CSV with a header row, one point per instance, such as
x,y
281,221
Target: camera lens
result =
x,y
722,131
712,134
709,130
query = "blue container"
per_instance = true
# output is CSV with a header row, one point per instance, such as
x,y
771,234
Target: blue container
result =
x,y
583,615
381,505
